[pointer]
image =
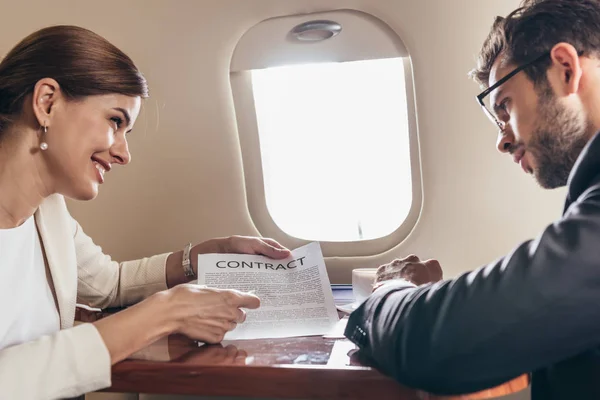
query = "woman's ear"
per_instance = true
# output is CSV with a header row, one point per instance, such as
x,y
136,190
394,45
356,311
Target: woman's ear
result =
x,y
565,71
46,93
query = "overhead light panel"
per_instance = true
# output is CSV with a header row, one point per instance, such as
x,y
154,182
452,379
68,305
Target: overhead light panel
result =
x,y
316,31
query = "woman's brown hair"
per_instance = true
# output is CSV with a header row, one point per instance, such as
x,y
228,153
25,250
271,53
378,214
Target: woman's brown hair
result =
x,y
82,62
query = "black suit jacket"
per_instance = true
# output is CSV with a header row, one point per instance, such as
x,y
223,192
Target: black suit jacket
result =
x,y
536,310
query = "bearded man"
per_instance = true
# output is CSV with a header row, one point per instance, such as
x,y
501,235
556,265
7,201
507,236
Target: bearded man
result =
x,y
536,310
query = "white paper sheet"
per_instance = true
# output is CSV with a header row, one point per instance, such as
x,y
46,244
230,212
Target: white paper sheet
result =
x,y
295,293
340,354
337,332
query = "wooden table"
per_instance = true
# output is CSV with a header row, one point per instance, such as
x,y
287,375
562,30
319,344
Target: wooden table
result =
x,y
291,368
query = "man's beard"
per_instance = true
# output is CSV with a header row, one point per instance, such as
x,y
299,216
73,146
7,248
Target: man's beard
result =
x,y
557,141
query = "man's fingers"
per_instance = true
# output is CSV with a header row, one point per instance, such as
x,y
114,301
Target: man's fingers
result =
x,y
435,270
397,263
412,258
381,269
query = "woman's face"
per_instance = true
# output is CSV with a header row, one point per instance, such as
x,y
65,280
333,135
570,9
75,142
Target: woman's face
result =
x,y
86,138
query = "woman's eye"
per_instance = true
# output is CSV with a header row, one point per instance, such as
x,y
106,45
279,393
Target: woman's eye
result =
x,y
118,121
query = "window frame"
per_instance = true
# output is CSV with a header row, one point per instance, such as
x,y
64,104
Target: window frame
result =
x,y
249,140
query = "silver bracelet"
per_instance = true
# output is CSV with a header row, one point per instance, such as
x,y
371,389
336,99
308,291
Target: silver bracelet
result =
x,y
187,265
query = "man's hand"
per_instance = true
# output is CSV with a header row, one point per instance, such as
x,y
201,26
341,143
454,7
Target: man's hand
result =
x,y
411,269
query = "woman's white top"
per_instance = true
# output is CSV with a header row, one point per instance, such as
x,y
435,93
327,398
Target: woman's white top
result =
x,y
27,307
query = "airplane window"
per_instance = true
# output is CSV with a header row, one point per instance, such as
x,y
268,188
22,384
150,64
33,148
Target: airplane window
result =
x,y
334,144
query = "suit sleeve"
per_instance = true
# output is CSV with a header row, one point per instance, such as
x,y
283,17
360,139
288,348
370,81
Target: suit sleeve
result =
x,y
534,307
105,283
68,363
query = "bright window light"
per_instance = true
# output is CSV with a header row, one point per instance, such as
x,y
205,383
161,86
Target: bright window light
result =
x,y
335,150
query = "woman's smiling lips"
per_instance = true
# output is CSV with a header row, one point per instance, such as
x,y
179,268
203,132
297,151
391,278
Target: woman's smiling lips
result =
x,y
101,168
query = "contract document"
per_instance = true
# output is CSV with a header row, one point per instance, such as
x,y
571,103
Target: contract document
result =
x,y
295,294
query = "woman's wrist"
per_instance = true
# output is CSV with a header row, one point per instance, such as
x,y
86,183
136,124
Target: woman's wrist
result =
x,y
164,311
217,245
132,329
175,274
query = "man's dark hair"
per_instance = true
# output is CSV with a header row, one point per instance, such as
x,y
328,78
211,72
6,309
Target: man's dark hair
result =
x,y
535,28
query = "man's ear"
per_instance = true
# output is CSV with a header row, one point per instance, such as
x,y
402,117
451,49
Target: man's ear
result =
x,y
46,93
565,72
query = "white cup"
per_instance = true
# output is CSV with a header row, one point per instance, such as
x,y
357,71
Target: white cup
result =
x,y
362,283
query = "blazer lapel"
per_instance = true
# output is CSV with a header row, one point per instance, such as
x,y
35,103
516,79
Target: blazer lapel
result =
x,y
57,239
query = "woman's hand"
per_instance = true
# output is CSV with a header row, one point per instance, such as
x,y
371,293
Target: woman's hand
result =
x,y
188,352
254,245
200,313
240,245
207,314
231,244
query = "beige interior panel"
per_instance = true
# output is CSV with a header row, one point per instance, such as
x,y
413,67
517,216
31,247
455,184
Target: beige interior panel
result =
x,y
269,43
186,180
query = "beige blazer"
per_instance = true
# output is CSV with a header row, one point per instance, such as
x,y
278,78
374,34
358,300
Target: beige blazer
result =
x,y
75,360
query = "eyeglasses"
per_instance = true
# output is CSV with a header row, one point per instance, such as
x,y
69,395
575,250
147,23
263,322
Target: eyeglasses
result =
x,y
481,98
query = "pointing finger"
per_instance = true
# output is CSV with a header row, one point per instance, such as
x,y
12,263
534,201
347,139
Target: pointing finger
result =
x,y
246,300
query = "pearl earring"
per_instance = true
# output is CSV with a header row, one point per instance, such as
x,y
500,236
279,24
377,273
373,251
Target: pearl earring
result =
x,y
44,145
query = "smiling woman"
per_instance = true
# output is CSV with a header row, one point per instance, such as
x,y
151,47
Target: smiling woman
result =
x,y
81,119
68,98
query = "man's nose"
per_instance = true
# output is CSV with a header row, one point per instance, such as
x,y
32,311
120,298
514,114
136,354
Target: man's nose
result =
x,y
505,140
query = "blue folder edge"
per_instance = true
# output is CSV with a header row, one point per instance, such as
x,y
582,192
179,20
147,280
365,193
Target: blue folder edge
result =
x,y
342,294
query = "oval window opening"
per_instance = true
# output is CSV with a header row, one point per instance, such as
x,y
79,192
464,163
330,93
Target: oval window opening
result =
x,y
334,144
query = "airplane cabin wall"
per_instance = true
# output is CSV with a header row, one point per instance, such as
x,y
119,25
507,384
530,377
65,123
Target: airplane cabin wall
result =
x,y
185,182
